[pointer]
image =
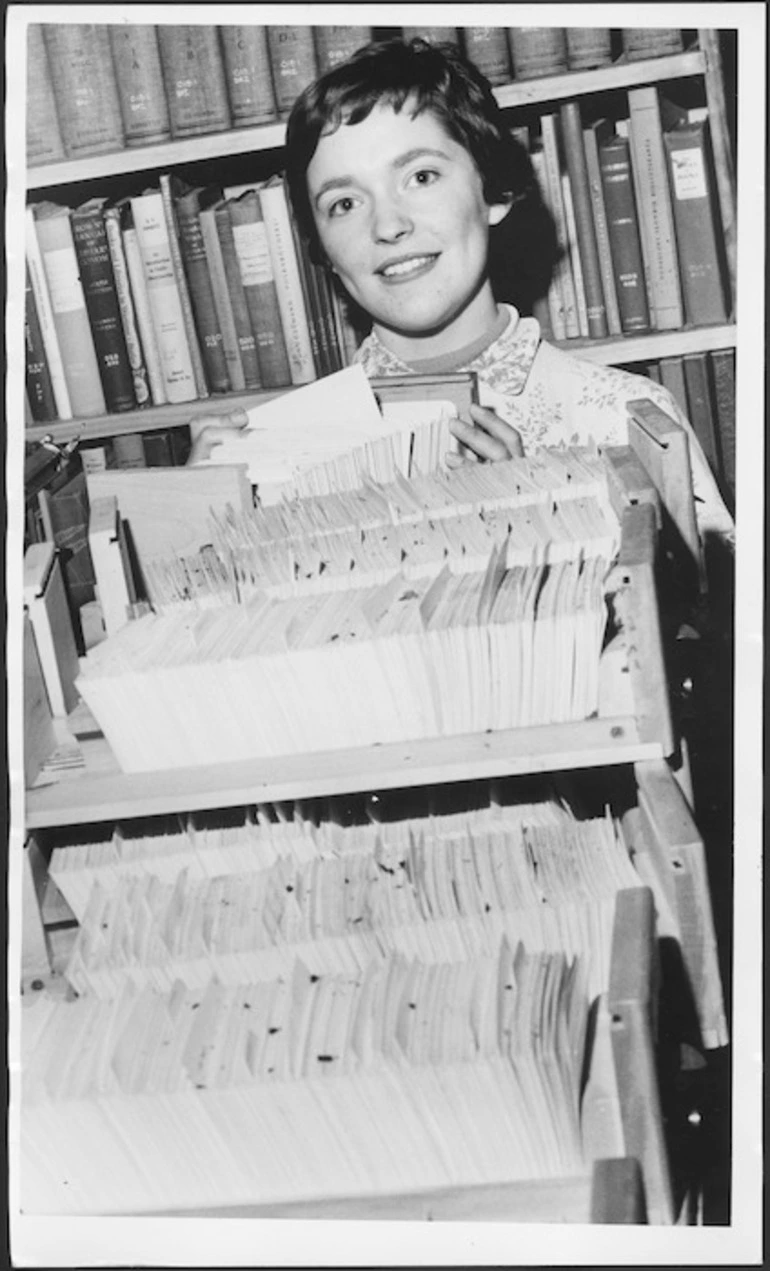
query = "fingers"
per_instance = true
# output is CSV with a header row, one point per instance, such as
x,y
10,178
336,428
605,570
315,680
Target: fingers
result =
x,y
209,431
488,436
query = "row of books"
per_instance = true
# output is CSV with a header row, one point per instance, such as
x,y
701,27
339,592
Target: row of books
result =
x,y
98,88
170,296
637,220
703,385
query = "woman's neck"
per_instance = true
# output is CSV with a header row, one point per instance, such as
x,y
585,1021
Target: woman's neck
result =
x,y
481,315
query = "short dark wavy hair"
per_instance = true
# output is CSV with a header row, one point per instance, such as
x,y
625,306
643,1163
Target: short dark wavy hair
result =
x,y
431,77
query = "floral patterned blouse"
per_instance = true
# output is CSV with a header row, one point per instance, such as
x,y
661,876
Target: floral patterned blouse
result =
x,y
553,398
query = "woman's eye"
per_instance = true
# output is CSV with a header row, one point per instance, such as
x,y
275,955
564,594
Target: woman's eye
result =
x,y
341,206
424,176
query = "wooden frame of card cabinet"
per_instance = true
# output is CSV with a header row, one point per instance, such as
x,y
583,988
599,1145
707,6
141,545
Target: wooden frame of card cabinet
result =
x,y
703,62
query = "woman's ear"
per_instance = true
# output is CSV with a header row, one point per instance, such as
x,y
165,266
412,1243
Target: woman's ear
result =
x,y
497,212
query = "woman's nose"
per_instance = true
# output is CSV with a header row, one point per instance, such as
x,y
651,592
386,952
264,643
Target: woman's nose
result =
x,y
390,221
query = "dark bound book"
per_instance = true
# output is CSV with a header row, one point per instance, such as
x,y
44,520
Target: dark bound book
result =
x,y
574,152
194,73
247,344
192,247
84,86
699,241
98,281
625,242
293,63
701,408
249,79
139,75
257,276
487,47
40,396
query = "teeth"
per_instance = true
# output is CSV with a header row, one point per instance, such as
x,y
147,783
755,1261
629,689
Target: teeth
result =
x,y
406,266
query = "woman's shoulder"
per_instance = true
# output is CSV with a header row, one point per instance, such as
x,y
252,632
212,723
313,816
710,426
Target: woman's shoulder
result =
x,y
596,383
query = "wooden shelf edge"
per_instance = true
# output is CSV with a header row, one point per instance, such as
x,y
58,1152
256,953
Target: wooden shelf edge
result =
x,y
271,136
106,796
653,345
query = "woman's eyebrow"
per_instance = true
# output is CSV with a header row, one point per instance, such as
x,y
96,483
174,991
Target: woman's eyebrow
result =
x,y
400,161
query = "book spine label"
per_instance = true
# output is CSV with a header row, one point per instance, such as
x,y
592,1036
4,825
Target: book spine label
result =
x,y
39,387
653,200
641,42
335,44
201,294
96,277
70,316
572,132
696,231
224,309
45,317
275,210
183,291
194,75
139,76
293,63
601,230
247,345
251,246
84,87
247,67
588,47
165,305
537,51
126,306
624,236
44,143
143,313
487,47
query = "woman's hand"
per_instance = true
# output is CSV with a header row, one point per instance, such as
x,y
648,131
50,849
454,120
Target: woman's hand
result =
x,y
488,436
209,431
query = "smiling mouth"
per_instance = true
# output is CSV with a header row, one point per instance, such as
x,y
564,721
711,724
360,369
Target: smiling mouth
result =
x,y
402,269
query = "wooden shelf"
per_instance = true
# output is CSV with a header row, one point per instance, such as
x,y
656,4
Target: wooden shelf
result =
x,y
654,344
100,792
171,154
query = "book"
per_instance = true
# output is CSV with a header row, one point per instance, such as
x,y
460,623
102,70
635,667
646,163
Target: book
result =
x,y
260,288
42,405
672,378
698,240
112,223
247,344
335,44
293,63
150,349
172,230
194,75
433,34
128,451
641,42
139,77
554,297
193,251
623,227
44,312
576,264
592,135
274,202
723,375
157,449
165,306
44,143
68,513
97,279
68,305
701,408
487,47
588,47
574,151
86,94
248,75
555,201
654,209
222,303
537,51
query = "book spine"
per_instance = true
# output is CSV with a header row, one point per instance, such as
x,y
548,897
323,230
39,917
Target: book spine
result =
x,y
247,70
554,296
723,369
181,445
131,336
555,201
656,217
247,345
697,239
572,133
433,34
157,450
42,404
329,334
601,229
194,75
487,47
222,304
275,209
97,280
70,316
163,296
335,44
44,143
700,407
139,76
588,47
319,341
348,338
172,231
84,86
259,285
624,235
193,253
293,63
672,378
576,263
642,42
142,310
537,51
45,317
128,451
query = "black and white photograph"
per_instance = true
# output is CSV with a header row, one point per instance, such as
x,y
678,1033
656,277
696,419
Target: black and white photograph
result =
x,y
342,931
